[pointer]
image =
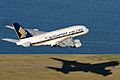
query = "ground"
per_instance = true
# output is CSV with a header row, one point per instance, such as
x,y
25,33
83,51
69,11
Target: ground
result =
x,y
40,67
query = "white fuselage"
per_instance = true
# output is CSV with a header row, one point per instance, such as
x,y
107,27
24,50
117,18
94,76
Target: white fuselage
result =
x,y
50,38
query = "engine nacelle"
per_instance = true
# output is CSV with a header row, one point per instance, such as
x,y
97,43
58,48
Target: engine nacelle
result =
x,y
35,29
77,43
26,44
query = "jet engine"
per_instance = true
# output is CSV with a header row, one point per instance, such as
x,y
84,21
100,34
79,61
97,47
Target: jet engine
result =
x,y
77,43
26,44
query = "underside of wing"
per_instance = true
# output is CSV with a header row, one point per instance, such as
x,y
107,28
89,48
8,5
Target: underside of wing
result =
x,y
65,42
70,42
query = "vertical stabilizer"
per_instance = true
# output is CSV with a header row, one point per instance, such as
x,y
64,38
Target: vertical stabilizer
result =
x,y
21,32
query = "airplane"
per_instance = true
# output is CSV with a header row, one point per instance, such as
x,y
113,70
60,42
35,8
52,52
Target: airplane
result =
x,y
34,37
73,66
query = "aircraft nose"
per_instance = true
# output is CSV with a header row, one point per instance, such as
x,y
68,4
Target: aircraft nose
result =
x,y
87,30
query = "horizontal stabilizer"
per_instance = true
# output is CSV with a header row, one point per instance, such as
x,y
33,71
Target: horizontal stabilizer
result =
x,y
10,40
10,27
33,32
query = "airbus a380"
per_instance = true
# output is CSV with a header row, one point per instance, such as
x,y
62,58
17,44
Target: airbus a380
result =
x,y
34,37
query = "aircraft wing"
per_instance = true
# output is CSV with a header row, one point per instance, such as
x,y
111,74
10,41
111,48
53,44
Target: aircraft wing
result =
x,y
34,32
65,42
107,64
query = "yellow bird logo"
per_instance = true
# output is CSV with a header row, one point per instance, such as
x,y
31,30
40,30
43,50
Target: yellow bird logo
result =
x,y
22,32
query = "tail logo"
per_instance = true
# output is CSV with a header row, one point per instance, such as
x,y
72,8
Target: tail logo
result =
x,y
22,32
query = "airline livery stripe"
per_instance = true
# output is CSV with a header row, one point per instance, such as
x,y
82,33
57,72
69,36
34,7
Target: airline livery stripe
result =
x,y
55,38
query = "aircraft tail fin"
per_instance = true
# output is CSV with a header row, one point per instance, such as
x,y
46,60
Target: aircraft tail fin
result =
x,y
21,32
